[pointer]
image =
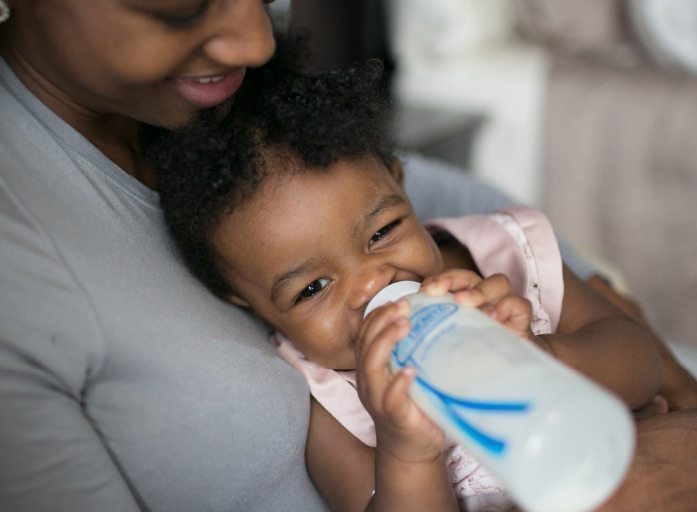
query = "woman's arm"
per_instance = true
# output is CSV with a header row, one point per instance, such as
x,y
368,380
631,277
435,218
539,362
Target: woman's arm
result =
x,y
51,455
600,340
662,475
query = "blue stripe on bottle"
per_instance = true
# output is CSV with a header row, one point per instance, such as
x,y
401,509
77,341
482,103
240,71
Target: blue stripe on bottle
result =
x,y
450,403
406,353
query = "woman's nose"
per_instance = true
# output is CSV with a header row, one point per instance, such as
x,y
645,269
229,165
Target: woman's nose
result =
x,y
243,35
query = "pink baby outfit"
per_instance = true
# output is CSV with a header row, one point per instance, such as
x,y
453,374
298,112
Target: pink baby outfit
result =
x,y
518,242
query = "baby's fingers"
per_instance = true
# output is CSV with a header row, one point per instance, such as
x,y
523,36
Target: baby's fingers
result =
x,y
451,281
488,291
396,400
515,314
372,361
377,320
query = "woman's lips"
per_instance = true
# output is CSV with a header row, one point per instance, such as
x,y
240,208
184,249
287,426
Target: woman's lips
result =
x,y
209,91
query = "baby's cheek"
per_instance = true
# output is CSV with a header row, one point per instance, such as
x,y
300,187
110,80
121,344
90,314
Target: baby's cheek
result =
x,y
435,259
327,343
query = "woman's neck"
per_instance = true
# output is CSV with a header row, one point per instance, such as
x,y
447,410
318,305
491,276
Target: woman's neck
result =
x,y
117,138
114,135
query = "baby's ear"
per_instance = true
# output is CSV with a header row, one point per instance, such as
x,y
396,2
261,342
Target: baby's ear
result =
x,y
236,300
397,171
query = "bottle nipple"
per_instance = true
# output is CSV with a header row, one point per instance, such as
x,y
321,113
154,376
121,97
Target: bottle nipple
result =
x,y
391,293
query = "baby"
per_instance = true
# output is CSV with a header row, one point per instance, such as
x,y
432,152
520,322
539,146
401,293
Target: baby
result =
x,y
291,205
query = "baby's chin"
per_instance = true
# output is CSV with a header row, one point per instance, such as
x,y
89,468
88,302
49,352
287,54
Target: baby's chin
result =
x,y
341,364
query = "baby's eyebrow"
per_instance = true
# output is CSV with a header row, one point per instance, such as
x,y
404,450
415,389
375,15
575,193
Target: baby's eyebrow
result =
x,y
383,204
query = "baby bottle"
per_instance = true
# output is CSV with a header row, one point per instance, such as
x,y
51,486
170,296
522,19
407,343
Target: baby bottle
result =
x,y
556,440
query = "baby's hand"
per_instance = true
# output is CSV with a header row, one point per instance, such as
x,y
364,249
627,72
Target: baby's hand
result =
x,y
402,429
492,295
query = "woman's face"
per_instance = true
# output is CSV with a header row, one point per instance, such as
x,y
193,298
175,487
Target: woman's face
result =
x,y
155,61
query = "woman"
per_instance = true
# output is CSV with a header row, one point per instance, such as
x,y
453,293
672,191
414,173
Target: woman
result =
x,y
124,385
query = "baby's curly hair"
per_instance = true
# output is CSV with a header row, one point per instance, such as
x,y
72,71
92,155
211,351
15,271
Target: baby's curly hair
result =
x,y
282,120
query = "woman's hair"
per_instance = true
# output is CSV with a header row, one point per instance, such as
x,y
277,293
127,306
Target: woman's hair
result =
x,y
281,120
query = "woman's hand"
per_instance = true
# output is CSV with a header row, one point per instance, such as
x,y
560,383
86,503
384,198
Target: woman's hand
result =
x,y
403,430
662,475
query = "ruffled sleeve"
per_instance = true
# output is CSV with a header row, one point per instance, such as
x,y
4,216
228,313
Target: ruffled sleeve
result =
x,y
520,243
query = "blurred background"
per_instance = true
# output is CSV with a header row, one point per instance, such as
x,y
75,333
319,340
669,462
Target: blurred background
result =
x,y
586,109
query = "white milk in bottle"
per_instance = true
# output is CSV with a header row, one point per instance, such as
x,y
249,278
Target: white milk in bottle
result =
x,y
556,440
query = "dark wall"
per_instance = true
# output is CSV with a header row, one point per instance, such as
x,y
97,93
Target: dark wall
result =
x,y
343,32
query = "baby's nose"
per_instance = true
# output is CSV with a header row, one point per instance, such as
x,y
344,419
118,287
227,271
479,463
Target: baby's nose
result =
x,y
367,285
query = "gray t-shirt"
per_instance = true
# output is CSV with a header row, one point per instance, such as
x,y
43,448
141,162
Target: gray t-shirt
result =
x,y
124,384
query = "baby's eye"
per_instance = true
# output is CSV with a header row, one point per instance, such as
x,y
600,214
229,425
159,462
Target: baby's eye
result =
x,y
313,288
383,232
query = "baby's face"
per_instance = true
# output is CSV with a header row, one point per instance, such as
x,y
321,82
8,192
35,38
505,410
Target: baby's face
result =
x,y
310,250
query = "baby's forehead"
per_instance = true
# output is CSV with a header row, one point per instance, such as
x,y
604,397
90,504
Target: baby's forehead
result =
x,y
284,170
291,211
